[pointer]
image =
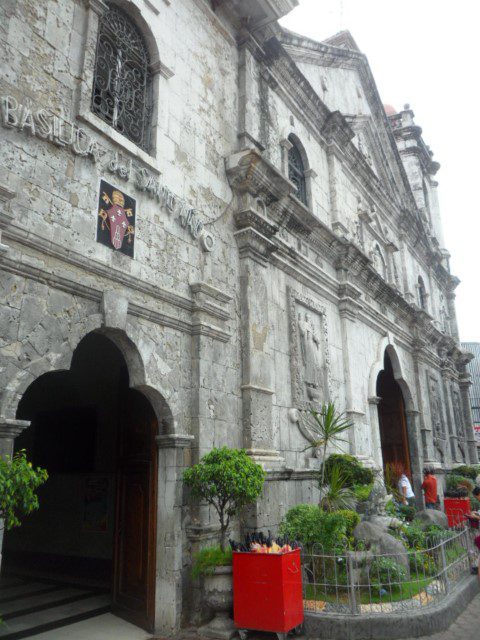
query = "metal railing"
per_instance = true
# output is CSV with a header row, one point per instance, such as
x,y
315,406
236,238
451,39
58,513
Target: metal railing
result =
x,y
361,582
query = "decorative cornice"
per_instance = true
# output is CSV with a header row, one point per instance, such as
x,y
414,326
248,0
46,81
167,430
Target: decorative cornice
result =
x,y
336,129
249,172
254,245
248,218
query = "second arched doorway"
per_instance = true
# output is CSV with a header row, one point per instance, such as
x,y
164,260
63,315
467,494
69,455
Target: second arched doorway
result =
x,y
96,526
392,419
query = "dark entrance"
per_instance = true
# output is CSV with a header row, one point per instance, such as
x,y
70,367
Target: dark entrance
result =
x,y
95,529
392,419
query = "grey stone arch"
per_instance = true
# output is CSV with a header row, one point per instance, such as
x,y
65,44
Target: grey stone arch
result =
x,y
171,451
387,346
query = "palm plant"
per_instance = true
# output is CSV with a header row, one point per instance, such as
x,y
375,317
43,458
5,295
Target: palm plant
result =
x,y
328,426
334,493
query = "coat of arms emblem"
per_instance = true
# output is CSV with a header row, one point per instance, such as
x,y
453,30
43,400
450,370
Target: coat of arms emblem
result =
x,y
116,219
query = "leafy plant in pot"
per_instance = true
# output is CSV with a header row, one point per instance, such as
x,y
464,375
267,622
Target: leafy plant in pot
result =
x,y
228,480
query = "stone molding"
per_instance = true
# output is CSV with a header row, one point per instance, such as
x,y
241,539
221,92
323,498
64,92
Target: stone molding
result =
x,y
11,428
174,441
134,309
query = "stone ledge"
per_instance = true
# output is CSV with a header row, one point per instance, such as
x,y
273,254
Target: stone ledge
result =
x,y
393,626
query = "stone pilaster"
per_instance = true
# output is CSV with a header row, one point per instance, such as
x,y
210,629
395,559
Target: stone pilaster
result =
x,y
464,385
411,416
257,360
210,314
348,308
425,430
373,402
174,455
256,182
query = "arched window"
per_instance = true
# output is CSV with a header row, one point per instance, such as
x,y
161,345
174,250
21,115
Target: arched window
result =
x,y
422,294
122,83
296,171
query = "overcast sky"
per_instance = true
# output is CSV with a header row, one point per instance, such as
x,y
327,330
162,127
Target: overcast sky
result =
x,y
426,53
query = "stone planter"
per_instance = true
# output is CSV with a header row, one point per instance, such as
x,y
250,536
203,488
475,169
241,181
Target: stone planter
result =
x,y
218,595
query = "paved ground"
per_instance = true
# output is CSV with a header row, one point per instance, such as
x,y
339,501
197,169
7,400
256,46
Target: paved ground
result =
x,y
109,627
465,627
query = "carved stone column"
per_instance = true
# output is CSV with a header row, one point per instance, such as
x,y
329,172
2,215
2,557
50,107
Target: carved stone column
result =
x,y
256,182
211,312
9,430
452,313
451,427
373,403
425,429
348,308
464,385
257,357
415,460
174,456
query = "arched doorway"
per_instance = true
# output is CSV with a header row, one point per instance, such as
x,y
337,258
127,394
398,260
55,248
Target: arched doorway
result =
x,y
96,526
392,419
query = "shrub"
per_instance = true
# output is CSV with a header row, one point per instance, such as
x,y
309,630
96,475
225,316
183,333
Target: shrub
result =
x,y
228,479
416,537
362,491
422,562
351,518
335,494
353,470
453,480
406,512
457,486
467,471
205,561
310,525
18,484
385,571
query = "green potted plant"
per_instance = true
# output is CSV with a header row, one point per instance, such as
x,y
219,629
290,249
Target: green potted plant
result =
x,y
19,481
228,480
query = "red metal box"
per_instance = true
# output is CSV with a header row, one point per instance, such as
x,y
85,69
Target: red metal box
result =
x,y
455,510
267,591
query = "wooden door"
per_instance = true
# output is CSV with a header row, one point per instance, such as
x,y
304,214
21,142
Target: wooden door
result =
x,y
134,559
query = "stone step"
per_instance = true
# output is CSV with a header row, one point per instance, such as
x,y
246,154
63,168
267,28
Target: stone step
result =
x,y
36,602
24,590
54,616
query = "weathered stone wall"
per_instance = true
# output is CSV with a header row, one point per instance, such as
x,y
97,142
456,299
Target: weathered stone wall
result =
x,y
291,304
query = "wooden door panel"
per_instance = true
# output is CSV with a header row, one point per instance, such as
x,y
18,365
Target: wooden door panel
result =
x,y
134,573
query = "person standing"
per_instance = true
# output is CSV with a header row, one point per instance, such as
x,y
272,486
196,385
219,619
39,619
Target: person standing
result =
x,y
429,486
406,491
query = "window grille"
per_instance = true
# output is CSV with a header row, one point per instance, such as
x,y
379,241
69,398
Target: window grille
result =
x,y
296,172
122,83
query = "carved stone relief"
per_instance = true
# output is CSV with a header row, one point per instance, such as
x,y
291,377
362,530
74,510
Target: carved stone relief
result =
x,y
436,414
310,361
459,425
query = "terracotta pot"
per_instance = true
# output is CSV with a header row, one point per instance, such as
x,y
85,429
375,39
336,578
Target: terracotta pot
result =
x,y
218,595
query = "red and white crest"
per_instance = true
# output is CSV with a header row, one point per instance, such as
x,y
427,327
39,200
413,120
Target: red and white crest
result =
x,y
118,224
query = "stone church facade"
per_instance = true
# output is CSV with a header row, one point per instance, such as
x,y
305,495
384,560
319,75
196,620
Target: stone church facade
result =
x,y
209,222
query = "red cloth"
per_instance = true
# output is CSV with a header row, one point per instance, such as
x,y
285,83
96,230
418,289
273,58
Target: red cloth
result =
x,y
430,487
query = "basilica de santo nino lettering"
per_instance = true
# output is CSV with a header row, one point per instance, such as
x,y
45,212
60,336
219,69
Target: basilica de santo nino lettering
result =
x,y
200,237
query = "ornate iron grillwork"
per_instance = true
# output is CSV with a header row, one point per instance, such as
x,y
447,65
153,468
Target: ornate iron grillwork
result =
x,y
296,172
122,84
